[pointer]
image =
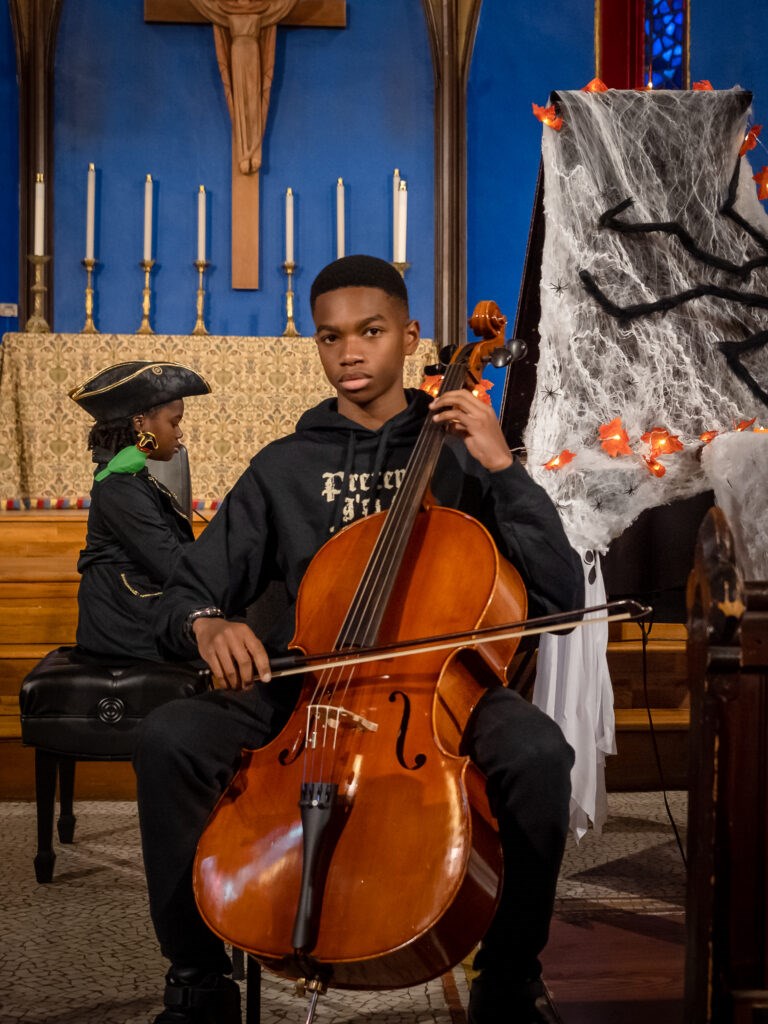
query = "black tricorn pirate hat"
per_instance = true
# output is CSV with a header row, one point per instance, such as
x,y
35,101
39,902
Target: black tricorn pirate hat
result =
x,y
125,389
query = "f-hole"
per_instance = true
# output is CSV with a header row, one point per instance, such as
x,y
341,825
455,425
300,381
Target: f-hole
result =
x,y
420,759
291,754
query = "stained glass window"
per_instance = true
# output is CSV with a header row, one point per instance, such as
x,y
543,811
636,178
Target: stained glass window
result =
x,y
664,43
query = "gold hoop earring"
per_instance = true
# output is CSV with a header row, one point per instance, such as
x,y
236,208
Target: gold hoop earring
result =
x,y
146,441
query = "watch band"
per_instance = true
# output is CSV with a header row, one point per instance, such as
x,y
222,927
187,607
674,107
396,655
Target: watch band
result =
x,y
211,612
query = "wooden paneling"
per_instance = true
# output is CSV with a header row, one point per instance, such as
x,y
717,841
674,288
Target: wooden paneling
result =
x,y
41,534
38,611
43,613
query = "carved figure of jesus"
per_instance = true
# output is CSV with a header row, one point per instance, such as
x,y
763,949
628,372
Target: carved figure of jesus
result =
x,y
244,34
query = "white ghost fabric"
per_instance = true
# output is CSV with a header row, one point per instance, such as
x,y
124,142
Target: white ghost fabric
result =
x,y
573,686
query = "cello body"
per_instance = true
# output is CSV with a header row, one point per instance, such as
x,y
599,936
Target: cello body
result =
x,y
390,871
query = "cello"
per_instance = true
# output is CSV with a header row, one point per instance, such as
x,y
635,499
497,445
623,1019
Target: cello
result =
x,y
357,848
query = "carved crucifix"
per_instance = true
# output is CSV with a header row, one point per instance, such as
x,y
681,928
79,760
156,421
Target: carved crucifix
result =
x,y
244,33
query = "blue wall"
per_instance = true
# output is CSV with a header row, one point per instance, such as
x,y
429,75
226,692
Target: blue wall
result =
x,y
728,48
9,169
523,51
136,98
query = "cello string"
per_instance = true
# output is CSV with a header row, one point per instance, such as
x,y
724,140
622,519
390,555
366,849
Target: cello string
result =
x,y
377,580
386,556
335,686
387,553
330,683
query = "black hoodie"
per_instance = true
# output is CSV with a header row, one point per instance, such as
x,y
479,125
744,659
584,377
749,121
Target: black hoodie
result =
x,y
302,488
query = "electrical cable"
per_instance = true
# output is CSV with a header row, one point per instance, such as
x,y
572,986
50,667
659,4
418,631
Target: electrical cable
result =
x,y
645,629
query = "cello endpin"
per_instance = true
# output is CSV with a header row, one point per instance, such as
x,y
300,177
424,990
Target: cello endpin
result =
x,y
314,988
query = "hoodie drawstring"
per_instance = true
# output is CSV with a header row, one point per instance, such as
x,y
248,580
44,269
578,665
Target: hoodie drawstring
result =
x,y
378,465
338,512
381,454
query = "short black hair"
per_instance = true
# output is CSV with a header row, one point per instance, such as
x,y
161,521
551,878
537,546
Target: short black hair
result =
x,y
359,272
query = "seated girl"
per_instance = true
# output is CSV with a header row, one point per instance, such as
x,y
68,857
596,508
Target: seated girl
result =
x,y
136,527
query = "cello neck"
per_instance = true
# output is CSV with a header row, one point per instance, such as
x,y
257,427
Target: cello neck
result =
x,y
362,622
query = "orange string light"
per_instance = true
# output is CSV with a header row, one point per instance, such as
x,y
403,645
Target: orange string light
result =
x,y
661,442
614,438
750,139
655,467
481,389
596,85
548,116
558,461
762,180
744,424
431,385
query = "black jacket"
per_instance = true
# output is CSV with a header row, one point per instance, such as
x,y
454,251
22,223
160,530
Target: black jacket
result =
x,y
136,533
300,489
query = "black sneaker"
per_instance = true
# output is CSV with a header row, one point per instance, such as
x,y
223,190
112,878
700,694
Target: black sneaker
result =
x,y
493,1000
193,996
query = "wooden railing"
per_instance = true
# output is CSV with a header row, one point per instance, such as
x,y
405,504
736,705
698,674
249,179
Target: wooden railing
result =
x,y
727,906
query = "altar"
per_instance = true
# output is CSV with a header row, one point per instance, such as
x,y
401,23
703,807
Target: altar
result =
x,y
259,388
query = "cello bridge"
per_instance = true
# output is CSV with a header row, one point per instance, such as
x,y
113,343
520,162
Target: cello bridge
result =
x,y
330,716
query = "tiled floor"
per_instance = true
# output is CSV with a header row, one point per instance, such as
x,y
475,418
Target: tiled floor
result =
x,y
617,947
81,950
634,865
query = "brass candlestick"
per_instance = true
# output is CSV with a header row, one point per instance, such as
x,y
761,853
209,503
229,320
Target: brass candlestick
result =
x,y
89,327
199,328
145,327
290,327
400,267
37,324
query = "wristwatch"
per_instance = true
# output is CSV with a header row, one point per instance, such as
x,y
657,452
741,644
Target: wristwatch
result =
x,y
212,612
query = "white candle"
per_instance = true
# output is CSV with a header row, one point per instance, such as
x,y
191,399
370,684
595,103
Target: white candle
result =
x,y
90,212
339,218
148,219
289,225
201,224
402,221
39,246
395,211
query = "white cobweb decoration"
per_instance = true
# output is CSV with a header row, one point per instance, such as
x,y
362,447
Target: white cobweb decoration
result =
x,y
673,154
737,467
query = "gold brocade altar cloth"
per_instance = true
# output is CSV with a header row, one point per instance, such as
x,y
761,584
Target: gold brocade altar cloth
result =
x,y
260,387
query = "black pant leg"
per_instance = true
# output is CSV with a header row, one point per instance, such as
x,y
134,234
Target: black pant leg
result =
x,y
527,763
187,752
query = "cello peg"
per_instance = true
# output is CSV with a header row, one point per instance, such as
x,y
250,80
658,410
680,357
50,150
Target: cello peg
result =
x,y
517,348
